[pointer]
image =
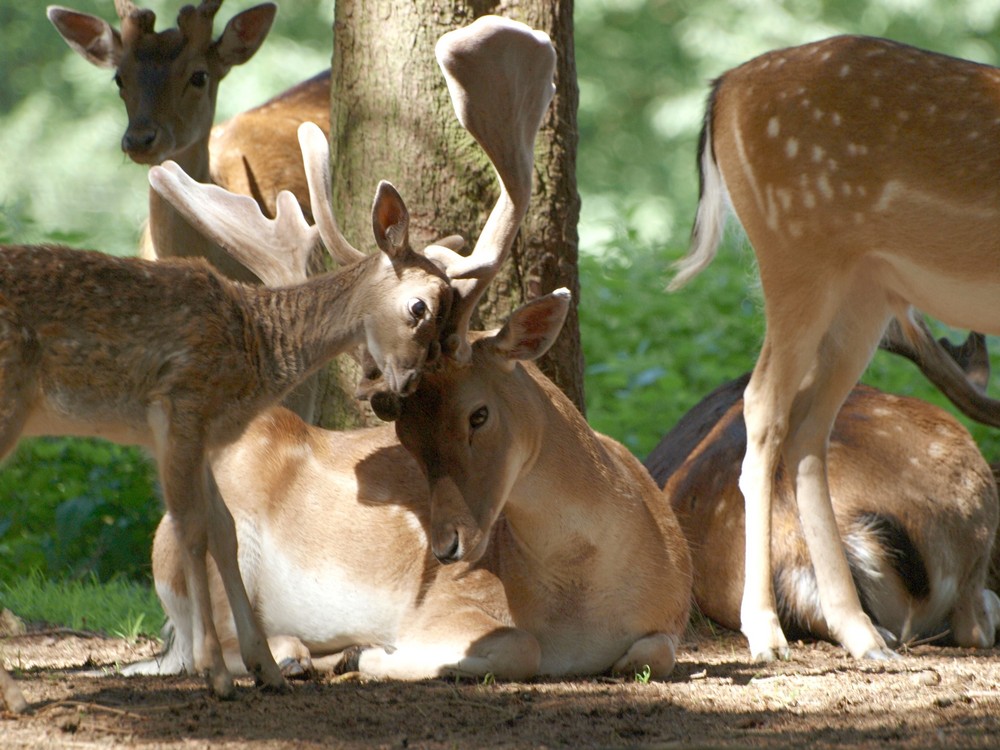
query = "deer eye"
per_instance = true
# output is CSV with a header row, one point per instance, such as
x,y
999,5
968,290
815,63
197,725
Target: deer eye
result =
x,y
417,308
199,78
478,418
118,81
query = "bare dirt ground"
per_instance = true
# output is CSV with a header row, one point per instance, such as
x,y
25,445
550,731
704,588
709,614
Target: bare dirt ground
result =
x,y
933,697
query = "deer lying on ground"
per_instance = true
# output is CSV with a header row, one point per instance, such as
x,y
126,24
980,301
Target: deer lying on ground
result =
x,y
169,83
531,529
174,357
864,174
916,506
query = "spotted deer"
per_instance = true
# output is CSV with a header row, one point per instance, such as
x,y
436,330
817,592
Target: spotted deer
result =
x,y
175,357
863,172
511,562
918,523
169,82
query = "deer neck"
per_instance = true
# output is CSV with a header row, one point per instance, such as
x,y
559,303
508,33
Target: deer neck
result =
x,y
561,498
302,327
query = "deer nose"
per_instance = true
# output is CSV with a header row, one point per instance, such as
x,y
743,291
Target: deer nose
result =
x,y
138,140
452,554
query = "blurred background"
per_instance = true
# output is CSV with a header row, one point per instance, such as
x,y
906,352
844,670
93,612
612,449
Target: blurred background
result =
x,y
77,508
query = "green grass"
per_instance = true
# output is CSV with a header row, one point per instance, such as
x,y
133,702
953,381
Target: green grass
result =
x,y
119,608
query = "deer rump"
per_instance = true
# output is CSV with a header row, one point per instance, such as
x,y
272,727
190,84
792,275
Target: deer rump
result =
x,y
916,507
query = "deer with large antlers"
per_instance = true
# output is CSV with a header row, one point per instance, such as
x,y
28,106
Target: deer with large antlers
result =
x,y
863,172
173,356
528,508
920,534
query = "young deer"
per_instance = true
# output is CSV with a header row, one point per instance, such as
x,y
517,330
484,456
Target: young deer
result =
x,y
920,534
533,583
173,356
863,172
169,82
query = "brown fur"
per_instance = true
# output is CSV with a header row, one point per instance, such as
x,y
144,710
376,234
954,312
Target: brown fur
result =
x,y
173,356
863,172
948,510
582,569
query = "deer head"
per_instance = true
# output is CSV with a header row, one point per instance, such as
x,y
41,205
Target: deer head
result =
x,y
169,79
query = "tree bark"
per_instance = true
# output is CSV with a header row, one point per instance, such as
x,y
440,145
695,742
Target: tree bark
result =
x,y
391,119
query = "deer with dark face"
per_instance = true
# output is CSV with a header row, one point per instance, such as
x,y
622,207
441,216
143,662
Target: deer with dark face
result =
x,y
864,174
173,356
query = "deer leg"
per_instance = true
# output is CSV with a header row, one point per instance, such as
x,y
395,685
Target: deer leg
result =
x,y
223,545
181,459
464,644
841,358
765,413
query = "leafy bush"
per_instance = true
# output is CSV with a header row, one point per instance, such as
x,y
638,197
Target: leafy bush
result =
x,y
75,508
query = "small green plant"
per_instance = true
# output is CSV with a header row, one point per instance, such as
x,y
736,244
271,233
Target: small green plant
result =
x,y
643,677
489,680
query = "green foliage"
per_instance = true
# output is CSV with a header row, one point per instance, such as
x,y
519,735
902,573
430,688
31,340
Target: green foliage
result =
x,y
77,508
121,608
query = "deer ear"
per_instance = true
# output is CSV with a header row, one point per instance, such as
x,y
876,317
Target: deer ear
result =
x,y
244,34
533,327
390,221
90,37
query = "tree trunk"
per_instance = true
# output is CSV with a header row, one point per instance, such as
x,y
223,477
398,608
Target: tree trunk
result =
x,y
391,119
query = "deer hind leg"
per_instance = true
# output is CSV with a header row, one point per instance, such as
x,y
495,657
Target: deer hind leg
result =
x,y
224,548
181,458
843,354
462,643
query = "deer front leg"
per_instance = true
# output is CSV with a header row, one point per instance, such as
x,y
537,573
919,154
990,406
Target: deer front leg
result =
x,y
224,548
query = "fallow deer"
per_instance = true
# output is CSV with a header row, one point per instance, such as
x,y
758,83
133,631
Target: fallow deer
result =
x,y
175,357
169,82
916,508
528,506
863,172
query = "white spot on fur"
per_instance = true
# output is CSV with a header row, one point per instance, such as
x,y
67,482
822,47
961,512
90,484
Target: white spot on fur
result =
x,y
773,127
792,148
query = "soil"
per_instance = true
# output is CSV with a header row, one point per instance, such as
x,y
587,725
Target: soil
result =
x,y
821,697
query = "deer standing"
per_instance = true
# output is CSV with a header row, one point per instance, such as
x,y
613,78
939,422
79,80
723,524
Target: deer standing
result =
x,y
169,82
863,172
534,583
920,534
173,356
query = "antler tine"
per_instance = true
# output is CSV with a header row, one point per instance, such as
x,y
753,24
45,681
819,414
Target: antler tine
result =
x,y
960,380
196,23
124,8
277,250
500,76
316,159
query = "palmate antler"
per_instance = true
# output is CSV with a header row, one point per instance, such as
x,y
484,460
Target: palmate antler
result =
x,y
277,249
500,76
